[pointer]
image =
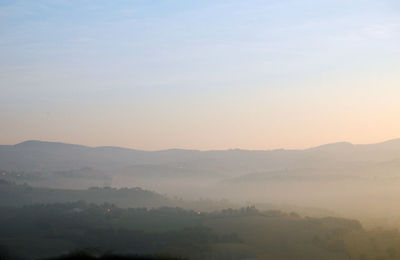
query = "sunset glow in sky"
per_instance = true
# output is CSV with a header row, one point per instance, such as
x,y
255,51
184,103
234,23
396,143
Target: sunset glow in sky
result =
x,y
200,74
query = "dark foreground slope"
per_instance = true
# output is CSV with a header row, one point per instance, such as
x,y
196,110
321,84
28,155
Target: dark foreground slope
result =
x,y
42,231
85,255
88,255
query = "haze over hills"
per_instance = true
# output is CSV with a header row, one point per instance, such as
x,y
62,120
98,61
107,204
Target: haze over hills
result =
x,y
343,175
48,156
359,181
227,81
51,156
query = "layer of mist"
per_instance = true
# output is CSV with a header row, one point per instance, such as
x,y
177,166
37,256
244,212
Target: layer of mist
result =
x,y
359,181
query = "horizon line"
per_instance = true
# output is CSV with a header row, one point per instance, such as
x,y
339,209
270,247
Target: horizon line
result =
x,y
205,150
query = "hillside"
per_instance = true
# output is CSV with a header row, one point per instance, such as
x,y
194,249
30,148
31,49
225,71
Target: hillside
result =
x,y
347,177
47,159
246,233
15,195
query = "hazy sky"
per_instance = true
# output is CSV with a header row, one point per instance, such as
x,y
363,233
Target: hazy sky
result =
x,y
200,74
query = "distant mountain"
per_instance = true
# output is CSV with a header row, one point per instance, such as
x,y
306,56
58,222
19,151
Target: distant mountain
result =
x,y
58,164
39,155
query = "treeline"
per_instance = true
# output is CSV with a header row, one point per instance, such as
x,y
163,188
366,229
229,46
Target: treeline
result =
x,y
50,230
19,195
39,231
22,194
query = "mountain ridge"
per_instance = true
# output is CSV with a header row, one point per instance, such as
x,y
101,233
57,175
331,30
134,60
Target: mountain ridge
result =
x,y
58,164
30,143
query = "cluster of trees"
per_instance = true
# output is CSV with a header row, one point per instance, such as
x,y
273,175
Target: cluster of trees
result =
x,y
40,222
22,194
47,230
42,230
19,195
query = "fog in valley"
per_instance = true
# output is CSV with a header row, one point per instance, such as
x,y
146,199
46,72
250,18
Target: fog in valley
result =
x,y
335,201
358,181
199,130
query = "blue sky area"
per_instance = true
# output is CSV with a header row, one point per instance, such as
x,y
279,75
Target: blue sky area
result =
x,y
199,74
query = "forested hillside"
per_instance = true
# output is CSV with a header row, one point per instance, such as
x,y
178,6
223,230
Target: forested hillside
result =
x,y
228,234
12,194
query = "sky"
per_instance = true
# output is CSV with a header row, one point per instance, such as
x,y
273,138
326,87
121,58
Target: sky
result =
x,y
200,74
